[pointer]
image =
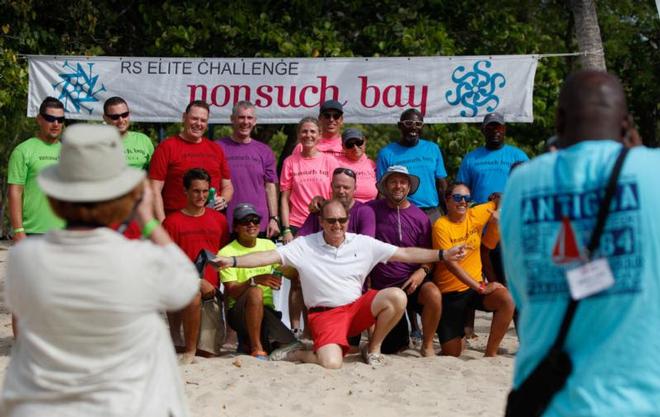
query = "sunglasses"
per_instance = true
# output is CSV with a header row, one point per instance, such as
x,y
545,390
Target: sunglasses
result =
x,y
352,143
331,115
118,115
342,170
52,119
333,220
412,123
461,197
250,220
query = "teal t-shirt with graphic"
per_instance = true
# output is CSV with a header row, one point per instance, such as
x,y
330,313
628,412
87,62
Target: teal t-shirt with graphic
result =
x,y
138,150
614,340
25,163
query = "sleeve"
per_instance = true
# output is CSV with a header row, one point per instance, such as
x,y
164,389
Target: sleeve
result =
x,y
292,254
222,159
286,178
440,171
149,146
440,237
381,252
17,169
177,278
481,214
381,164
270,166
522,156
366,221
463,174
159,162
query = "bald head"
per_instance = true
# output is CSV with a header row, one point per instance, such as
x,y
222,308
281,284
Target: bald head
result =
x,y
592,106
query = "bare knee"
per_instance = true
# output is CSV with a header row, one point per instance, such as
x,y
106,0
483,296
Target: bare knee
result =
x,y
331,361
396,297
453,347
255,296
430,297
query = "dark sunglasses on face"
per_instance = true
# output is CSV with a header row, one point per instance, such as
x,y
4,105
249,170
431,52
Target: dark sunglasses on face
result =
x,y
333,220
461,197
330,115
351,143
412,123
52,119
118,115
249,220
342,170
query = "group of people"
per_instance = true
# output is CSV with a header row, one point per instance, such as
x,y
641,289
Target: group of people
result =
x,y
368,246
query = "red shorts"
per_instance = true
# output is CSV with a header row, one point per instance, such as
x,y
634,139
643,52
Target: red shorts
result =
x,y
335,326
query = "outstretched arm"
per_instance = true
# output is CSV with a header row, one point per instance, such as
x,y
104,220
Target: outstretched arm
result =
x,y
250,260
420,255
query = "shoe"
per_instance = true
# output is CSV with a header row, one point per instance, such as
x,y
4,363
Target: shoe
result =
x,y
259,355
283,353
297,333
416,339
375,360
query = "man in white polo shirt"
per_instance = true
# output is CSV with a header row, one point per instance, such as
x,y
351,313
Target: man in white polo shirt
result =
x,y
333,265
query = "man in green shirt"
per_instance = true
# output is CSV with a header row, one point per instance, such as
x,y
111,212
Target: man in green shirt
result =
x,y
138,148
29,211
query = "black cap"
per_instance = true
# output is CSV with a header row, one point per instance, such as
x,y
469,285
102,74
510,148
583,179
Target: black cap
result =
x,y
331,105
493,118
243,210
351,134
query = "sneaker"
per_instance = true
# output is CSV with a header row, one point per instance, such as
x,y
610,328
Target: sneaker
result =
x,y
375,360
297,333
283,353
416,339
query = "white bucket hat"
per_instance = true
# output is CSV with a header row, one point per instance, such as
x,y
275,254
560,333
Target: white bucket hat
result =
x,y
398,169
92,166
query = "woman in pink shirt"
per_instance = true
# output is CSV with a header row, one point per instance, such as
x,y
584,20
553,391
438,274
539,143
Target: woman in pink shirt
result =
x,y
354,144
304,175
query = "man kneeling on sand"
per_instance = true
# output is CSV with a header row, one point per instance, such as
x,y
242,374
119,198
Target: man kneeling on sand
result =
x,y
332,266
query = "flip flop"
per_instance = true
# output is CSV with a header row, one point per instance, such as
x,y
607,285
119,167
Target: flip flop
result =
x,y
259,355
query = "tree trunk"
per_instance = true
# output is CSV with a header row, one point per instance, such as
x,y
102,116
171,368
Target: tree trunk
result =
x,y
588,34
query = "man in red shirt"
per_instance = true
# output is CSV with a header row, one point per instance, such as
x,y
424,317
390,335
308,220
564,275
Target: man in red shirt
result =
x,y
180,153
193,228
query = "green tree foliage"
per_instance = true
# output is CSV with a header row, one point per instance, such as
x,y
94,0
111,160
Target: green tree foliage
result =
x,y
300,28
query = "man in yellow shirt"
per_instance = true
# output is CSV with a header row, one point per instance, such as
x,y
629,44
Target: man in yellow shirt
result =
x,y
461,283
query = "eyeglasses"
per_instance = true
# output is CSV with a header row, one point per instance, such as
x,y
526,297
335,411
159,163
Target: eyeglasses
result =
x,y
412,123
249,220
52,119
331,115
342,170
123,115
333,220
461,197
352,143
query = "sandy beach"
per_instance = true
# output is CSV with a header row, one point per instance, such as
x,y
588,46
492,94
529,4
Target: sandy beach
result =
x,y
408,385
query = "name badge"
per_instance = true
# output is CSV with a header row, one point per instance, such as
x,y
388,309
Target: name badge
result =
x,y
590,278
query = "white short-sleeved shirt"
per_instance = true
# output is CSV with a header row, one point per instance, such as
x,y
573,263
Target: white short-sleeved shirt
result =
x,y
91,341
330,276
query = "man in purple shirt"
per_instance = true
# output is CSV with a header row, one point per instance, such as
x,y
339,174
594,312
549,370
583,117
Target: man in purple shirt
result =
x,y
401,223
361,216
253,169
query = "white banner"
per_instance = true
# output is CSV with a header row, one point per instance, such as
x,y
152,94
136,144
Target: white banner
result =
x,y
373,90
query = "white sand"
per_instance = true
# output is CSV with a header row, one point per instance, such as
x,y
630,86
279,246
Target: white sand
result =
x,y
408,385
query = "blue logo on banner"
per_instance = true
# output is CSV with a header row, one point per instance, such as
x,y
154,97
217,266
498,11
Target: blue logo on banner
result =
x,y
78,87
475,89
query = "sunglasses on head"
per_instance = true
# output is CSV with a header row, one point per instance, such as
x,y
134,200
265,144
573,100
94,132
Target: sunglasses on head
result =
x,y
52,119
123,115
249,220
412,123
461,197
351,143
333,220
342,170
331,115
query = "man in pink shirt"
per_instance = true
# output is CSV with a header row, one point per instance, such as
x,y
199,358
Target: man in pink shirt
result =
x,y
331,120
354,144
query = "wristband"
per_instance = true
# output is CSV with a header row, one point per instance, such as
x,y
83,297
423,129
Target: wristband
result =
x,y
286,230
277,273
441,255
149,228
234,262
482,288
19,230
276,218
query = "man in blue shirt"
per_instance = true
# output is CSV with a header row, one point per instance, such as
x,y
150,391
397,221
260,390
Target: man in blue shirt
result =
x,y
421,157
549,211
486,169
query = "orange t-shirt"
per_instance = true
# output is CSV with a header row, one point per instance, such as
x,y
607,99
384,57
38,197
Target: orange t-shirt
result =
x,y
447,234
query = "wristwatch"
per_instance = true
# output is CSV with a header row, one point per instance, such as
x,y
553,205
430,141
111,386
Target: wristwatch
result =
x,y
276,218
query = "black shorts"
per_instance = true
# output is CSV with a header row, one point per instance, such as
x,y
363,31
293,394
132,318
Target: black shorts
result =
x,y
455,306
399,337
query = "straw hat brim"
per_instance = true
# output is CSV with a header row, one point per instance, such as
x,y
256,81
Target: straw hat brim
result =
x,y
414,182
55,186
